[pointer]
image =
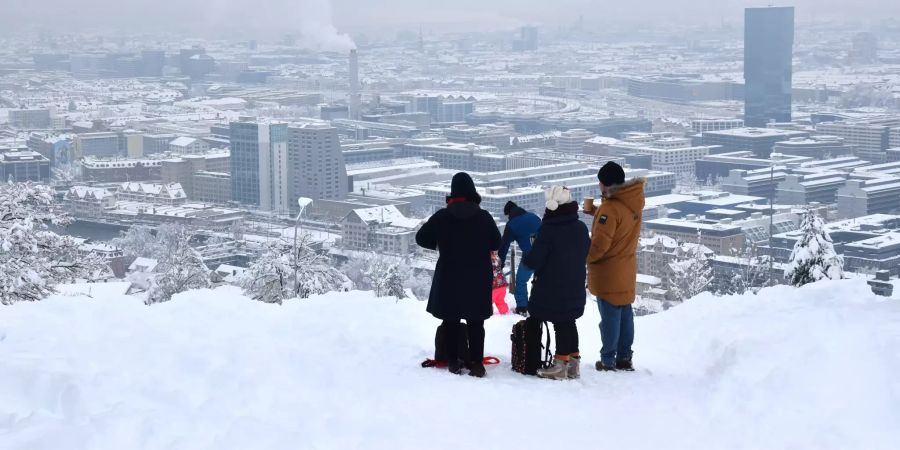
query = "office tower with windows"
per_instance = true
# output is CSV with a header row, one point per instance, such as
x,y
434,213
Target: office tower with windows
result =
x,y
259,164
317,168
768,50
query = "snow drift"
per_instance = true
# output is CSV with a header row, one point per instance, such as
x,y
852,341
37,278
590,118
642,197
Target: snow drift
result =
x,y
790,368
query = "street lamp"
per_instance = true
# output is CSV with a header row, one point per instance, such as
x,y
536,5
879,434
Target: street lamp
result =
x,y
303,202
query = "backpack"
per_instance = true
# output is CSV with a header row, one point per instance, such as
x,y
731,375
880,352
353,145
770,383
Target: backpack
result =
x,y
526,346
440,354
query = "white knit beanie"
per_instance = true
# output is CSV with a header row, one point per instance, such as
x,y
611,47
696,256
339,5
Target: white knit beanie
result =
x,y
557,195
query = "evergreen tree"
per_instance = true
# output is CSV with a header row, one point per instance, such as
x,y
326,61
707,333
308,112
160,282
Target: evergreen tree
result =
x,y
814,258
393,285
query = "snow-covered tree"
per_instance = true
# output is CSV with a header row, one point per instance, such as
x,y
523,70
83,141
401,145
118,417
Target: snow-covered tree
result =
x,y
752,272
687,183
690,273
142,241
814,258
367,270
137,241
370,272
34,260
180,270
391,285
271,277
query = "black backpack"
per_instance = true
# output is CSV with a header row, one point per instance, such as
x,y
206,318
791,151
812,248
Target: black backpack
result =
x,y
527,356
440,354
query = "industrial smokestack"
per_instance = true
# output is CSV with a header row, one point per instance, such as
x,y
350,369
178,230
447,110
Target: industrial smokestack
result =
x,y
354,85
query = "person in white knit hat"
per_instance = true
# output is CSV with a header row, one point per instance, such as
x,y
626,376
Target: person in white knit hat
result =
x,y
557,195
557,257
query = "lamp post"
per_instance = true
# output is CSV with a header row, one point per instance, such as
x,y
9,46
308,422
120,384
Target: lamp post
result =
x,y
771,280
303,202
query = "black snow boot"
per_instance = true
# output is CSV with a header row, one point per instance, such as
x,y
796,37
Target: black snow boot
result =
x,y
603,368
476,369
624,364
455,366
522,311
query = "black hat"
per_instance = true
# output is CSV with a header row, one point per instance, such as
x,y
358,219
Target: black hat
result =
x,y
463,186
611,174
508,207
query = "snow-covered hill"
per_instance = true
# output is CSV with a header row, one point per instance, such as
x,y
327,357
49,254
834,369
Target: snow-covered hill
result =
x,y
811,368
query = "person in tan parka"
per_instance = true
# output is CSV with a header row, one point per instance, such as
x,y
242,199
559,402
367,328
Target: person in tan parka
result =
x,y
612,263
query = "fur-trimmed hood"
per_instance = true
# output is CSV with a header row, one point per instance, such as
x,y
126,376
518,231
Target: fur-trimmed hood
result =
x,y
630,193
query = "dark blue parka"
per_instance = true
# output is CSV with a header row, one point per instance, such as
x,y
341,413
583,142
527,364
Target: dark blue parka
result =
x,y
558,257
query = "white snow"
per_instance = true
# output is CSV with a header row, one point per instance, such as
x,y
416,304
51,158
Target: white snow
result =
x,y
812,368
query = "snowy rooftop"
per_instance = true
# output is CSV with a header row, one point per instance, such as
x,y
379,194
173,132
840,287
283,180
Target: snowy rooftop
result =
x,y
694,225
750,132
170,190
887,240
183,141
668,199
387,215
143,265
84,191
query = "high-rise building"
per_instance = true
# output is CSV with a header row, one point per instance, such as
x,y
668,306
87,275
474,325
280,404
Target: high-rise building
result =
x,y
259,164
316,162
152,63
528,39
768,51
430,104
865,48
29,119
184,58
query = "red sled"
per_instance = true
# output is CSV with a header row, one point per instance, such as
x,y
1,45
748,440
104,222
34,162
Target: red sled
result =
x,y
440,358
487,360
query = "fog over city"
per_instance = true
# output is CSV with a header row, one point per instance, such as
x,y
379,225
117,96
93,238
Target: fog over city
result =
x,y
222,17
290,224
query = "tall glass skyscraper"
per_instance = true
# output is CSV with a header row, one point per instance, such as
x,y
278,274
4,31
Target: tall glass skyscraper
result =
x,y
259,165
768,50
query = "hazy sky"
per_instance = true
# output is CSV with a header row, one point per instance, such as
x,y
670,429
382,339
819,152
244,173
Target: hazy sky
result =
x,y
321,19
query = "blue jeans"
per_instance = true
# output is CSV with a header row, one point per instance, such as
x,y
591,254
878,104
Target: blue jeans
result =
x,y
616,331
523,274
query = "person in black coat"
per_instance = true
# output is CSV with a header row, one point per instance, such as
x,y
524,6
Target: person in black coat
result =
x,y
464,235
558,291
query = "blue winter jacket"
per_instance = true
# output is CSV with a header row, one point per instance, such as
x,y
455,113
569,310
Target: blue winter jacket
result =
x,y
521,227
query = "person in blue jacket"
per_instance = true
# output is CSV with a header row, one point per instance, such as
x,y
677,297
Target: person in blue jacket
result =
x,y
521,226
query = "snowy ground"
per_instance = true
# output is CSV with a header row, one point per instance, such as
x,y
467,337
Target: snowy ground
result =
x,y
811,368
